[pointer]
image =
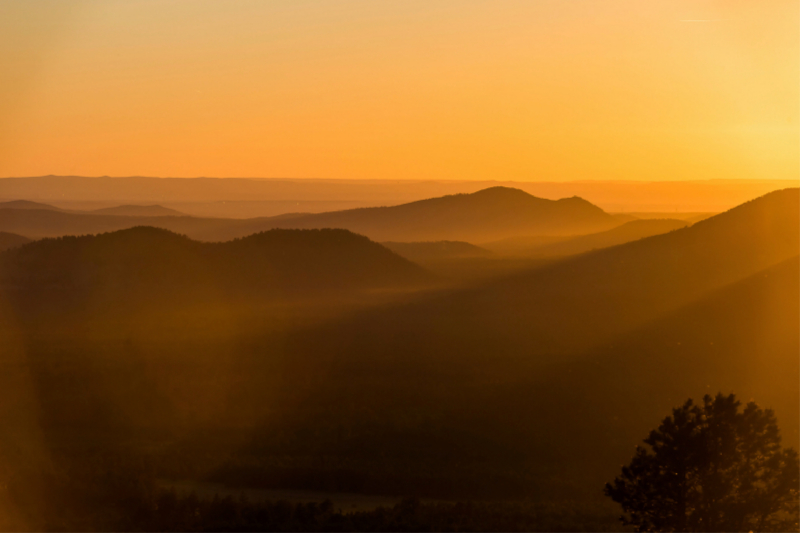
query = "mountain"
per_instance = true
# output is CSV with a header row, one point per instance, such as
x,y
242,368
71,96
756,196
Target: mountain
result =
x,y
148,264
536,385
489,214
139,211
630,231
421,252
11,240
481,216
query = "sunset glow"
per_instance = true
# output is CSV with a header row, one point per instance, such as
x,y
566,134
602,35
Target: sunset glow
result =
x,y
544,90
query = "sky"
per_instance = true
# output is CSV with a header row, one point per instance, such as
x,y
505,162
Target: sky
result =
x,y
529,90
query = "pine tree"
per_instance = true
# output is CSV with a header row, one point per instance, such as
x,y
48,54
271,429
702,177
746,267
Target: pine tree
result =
x,y
711,468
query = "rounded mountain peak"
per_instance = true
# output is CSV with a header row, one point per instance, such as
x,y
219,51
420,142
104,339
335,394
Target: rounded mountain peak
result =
x,y
502,192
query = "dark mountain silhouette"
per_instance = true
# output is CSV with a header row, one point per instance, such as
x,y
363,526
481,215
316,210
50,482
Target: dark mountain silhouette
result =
x,y
139,211
11,240
485,215
421,252
630,231
150,263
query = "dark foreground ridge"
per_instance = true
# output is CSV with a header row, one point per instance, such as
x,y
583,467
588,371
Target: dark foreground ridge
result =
x,y
145,262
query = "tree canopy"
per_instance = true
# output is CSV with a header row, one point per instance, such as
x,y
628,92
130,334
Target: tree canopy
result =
x,y
711,467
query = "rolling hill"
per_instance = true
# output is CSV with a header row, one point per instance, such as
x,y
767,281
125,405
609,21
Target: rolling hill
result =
x,y
145,263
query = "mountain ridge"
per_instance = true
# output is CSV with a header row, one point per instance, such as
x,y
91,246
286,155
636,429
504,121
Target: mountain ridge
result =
x,y
491,213
146,262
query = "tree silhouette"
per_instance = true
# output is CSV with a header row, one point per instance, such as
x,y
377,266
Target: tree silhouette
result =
x,y
711,468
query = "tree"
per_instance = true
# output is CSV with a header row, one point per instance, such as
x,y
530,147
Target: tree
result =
x,y
711,468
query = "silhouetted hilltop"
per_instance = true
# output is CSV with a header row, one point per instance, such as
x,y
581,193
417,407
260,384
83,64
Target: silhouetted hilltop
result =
x,y
630,231
139,211
484,215
433,251
145,262
11,240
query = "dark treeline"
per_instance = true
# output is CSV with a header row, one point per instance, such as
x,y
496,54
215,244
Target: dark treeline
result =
x,y
121,495
187,513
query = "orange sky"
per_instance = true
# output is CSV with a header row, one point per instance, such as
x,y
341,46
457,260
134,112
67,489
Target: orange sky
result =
x,y
443,89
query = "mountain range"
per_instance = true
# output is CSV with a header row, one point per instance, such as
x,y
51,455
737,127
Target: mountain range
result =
x,y
562,369
531,384
490,214
245,198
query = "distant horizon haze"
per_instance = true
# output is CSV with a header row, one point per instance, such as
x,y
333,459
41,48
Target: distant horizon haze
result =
x,y
258,197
